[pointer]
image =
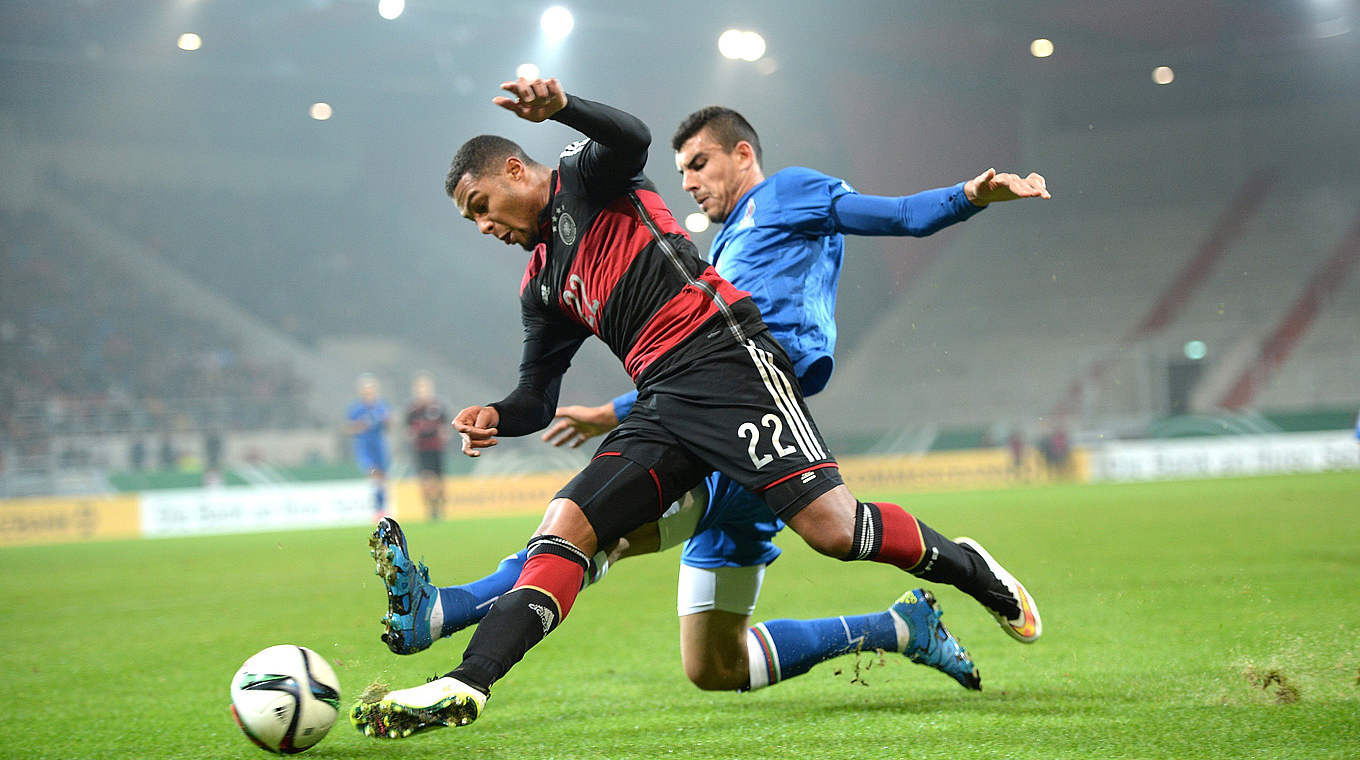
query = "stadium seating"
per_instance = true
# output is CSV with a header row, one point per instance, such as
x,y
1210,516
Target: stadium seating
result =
x,y
85,350
999,328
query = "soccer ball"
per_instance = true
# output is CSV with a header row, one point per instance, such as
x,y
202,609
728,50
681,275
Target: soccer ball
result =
x,y
285,698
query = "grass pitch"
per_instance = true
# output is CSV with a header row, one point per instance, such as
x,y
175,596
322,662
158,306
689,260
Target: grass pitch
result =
x,y
1195,619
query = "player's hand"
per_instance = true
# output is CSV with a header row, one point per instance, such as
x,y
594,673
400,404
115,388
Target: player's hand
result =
x,y
476,425
577,424
990,187
534,99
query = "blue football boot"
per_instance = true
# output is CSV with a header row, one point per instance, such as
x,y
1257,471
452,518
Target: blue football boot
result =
x,y
411,598
930,642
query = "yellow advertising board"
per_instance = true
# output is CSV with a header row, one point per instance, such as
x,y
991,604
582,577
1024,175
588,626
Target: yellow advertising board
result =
x,y
955,470
483,495
60,520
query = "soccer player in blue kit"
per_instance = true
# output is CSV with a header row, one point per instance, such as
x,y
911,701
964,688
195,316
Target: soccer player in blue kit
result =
x,y
782,241
366,421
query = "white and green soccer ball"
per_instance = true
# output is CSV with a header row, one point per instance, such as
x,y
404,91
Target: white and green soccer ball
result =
x,y
285,698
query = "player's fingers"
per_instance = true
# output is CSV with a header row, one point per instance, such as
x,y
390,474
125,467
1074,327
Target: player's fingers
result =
x,y
539,89
508,104
554,87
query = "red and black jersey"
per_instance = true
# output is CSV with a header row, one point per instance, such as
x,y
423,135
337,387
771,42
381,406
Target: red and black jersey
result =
x,y
426,421
613,262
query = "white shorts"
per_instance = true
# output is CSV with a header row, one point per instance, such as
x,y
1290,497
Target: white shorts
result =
x,y
730,589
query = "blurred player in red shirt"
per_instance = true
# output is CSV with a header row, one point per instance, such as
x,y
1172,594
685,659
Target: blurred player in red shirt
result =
x,y
427,425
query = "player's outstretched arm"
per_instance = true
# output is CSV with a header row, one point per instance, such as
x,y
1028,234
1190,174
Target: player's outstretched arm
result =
x,y
534,99
991,187
576,424
476,425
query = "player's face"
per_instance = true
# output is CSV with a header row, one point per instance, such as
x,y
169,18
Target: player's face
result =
x,y
713,177
368,391
423,389
502,204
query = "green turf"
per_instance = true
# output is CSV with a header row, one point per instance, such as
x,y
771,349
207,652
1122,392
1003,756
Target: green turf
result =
x,y
1161,602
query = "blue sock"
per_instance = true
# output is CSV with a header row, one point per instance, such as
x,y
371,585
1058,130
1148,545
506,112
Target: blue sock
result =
x,y
466,604
782,649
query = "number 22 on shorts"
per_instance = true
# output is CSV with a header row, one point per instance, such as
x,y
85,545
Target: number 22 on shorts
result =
x,y
749,431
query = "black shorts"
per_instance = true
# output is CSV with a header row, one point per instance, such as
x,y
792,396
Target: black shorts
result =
x,y
430,461
738,411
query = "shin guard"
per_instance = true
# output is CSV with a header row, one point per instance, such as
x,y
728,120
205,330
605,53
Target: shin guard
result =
x,y
887,533
537,604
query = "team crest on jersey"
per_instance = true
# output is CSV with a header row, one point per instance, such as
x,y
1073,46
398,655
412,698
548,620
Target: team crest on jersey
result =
x,y
566,228
748,219
574,148
543,293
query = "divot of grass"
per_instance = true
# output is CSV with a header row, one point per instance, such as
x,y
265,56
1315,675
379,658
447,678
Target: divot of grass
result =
x,y
375,691
1286,692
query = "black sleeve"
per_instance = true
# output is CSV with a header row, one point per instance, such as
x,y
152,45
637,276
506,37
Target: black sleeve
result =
x,y
617,151
548,348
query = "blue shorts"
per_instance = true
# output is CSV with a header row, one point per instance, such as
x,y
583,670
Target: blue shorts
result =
x,y
736,530
372,458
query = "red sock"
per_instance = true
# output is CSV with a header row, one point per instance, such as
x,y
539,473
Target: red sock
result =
x,y
558,577
901,543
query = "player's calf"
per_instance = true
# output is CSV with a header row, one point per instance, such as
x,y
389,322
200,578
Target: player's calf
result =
x,y
525,615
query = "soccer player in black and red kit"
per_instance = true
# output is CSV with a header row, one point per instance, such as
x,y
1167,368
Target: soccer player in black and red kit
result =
x,y
427,426
715,391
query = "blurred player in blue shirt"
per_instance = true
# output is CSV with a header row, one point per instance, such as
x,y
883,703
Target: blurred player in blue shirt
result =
x,y
782,241
366,422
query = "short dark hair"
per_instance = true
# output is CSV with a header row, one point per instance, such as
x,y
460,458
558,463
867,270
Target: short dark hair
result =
x,y
478,154
727,126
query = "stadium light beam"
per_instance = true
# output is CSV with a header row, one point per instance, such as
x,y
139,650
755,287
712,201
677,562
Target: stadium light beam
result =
x,y
729,44
391,9
527,71
696,222
1163,75
556,23
1041,48
753,46
189,41
741,44
320,111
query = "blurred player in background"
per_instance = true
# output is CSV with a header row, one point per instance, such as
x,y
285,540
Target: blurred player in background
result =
x,y
427,425
366,421
785,248
681,338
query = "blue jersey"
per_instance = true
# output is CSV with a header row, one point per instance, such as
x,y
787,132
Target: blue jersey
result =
x,y
370,445
784,243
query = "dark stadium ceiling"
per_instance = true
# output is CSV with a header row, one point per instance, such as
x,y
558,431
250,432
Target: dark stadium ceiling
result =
x,y
298,38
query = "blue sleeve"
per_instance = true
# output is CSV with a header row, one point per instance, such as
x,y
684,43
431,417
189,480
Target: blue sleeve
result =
x,y
806,197
917,215
354,411
624,404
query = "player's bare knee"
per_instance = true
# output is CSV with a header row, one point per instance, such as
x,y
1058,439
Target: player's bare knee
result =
x,y
566,520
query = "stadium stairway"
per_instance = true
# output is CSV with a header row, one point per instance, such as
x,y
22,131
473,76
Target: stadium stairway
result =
x,y
1264,281
1310,358
1178,292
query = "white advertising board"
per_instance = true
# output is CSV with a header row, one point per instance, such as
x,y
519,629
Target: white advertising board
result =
x,y
245,509
1216,456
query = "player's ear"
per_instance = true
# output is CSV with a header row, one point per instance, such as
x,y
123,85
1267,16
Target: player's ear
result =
x,y
746,155
514,168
